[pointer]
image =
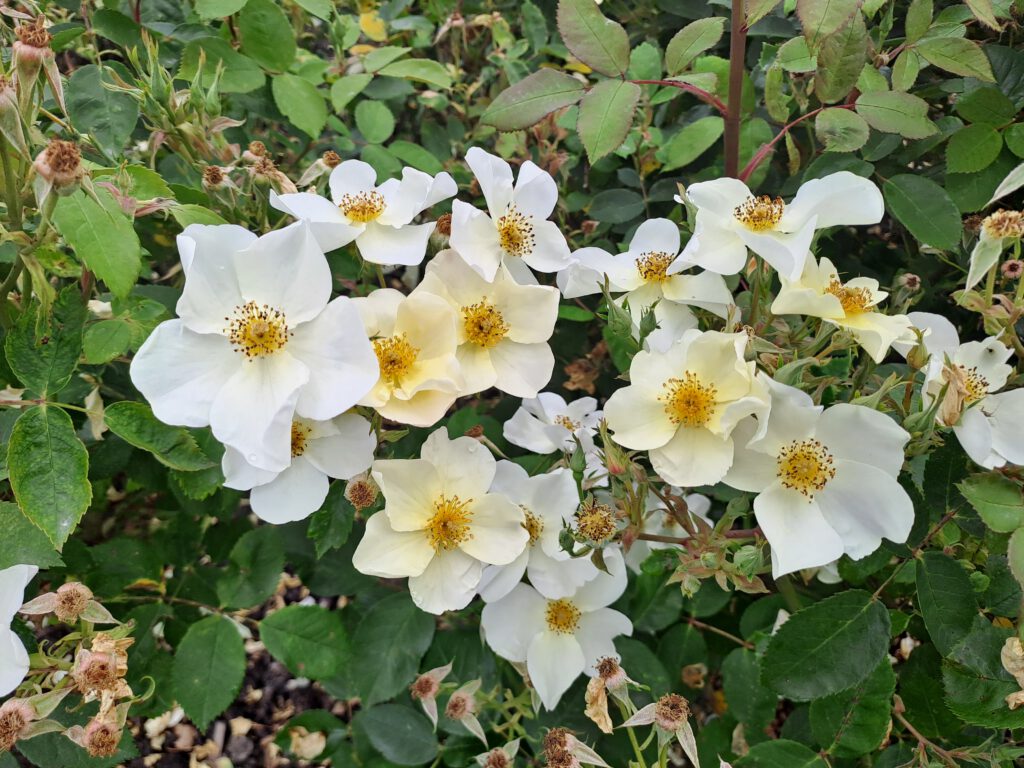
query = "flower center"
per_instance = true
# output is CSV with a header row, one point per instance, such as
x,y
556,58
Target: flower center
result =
x,y
760,213
396,356
449,525
363,207
257,330
975,385
483,324
300,438
653,266
533,524
515,233
805,466
562,616
854,300
565,421
1004,224
595,522
688,401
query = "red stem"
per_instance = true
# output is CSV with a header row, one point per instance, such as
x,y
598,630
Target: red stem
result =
x,y
737,54
765,149
700,93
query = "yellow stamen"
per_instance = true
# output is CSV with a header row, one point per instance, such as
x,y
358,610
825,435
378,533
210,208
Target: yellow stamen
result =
x,y
396,356
854,300
595,522
484,324
533,524
689,401
975,385
562,616
760,214
565,421
448,527
1004,224
300,437
805,466
653,266
257,330
515,233
363,207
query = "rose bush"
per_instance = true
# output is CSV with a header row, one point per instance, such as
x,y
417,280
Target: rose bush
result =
x,y
513,383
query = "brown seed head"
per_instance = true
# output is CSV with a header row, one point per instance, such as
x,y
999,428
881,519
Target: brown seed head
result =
x,y
95,671
444,225
101,738
556,739
33,34
361,492
671,712
72,600
258,148
561,758
331,158
14,716
609,670
213,176
497,758
459,705
424,687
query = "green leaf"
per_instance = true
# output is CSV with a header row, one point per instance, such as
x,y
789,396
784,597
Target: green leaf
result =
x,y
401,734
1015,555
758,9
977,685
1014,180
855,722
598,42
997,499
320,8
905,70
43,351
616,206
267,34
240,73
606,115
841,130
416,156
984,12
375,121
218,9
780,753
388,646
106,340
209,667
108,116
986,105
820,18
827,647
256,564
195,214
840,60
301,102
380,57
919,18
795,56
307,639
424,70
946,600
691,41
331,525
749,702
896,112
102,237
49,469
957,55
532,99
973,148
23,543
173,447
924,208
347,88
691,142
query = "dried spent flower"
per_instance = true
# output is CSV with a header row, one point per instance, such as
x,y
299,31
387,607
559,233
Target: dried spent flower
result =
x,y
671,712
33,34
213,176
910,281
101,738
497,758
331,158
14,716
72,600
595,522
459,705
1012,269
60,165
361,492
444,225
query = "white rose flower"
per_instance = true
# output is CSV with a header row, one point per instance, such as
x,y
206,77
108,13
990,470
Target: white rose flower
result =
x,y
682,405
340,448
987,422
503,326
546,423
852,306
377,218
548,501
440,524
731,219
415,338
559,639
257,340
515,229
13,656
826,479
998,231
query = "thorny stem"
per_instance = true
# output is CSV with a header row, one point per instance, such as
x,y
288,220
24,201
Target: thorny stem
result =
x,y
739,533
700,93
737,54
945,756
765,149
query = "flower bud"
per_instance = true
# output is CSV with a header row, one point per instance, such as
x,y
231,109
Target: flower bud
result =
x,y
72,600
14,716
31,53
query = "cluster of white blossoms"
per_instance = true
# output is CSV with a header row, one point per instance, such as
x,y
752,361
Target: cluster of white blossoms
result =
x,y
296,385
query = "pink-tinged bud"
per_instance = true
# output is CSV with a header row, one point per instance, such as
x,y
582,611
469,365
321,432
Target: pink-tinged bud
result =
x,y
72,600
101,738
14,716
31,53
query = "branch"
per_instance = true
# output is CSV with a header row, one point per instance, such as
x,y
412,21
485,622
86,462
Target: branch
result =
x,y
762,153
700,93
737,54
